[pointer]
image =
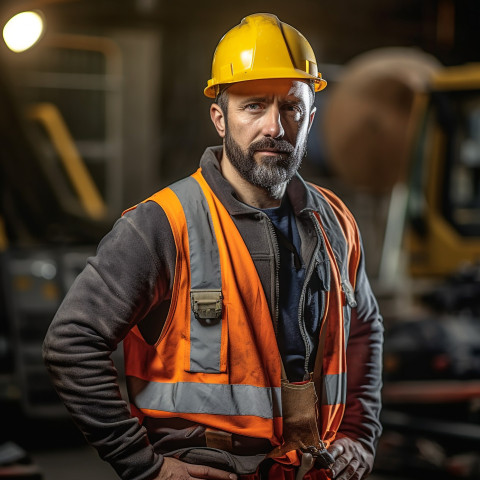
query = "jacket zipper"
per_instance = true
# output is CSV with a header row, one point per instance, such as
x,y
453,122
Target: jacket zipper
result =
x,y
276,252
301,319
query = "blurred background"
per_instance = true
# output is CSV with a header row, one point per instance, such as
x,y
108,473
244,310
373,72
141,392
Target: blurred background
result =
x,y
101,104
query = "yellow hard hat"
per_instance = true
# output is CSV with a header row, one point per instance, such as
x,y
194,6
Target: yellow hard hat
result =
x,y
262,47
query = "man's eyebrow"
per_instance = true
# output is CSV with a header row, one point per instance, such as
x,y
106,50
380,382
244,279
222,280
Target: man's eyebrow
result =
x,y
265,98
293,100
255,99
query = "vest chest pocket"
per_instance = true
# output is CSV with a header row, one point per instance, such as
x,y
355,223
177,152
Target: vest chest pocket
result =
x,y
208,336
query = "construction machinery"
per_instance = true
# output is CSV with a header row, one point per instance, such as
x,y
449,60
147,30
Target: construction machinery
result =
x,y
444,189
432,357
403,131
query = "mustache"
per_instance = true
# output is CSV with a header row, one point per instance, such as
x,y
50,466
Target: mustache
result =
x,y
269,143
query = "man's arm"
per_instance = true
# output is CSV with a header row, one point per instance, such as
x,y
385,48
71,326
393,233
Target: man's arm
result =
x,y
361,428
114,291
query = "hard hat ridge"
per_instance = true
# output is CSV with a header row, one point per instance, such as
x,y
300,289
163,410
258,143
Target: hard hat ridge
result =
x,y
262,47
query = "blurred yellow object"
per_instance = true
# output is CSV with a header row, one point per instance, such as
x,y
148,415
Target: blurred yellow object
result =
x,y
51,118
262,47
3,236
444,203
23,30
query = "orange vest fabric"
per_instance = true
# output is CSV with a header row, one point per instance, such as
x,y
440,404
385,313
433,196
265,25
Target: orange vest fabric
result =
x,y
223,369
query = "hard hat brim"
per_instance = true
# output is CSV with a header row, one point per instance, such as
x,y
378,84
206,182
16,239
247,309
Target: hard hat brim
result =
x,y
213,88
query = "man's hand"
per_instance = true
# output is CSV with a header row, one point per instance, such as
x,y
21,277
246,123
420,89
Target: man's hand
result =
x,y
352,460
173,469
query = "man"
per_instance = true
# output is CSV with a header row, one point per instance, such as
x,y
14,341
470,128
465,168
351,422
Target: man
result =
x,y
241,296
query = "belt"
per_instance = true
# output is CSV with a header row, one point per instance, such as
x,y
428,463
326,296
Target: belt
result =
x,y
169,434
236,444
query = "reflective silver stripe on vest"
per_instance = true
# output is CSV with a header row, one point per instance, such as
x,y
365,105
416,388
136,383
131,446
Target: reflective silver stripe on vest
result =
x,y
205,337
334,389
206,398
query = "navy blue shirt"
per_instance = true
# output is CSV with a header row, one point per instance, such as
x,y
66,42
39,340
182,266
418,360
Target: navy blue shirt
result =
x,y
291,278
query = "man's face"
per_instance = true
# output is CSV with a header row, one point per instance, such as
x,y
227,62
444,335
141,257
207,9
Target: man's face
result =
x,y
266,129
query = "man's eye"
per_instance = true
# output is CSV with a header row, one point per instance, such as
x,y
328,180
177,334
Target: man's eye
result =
x,y
293,108
252,106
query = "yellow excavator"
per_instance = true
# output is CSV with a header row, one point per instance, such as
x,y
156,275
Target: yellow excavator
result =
x,y
432,359
443,228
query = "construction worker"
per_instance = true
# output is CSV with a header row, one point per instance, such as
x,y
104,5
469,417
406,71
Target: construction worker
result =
x,y
252,340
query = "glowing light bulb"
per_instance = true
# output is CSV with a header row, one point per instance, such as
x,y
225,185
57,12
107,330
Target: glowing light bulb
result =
x,y
23,30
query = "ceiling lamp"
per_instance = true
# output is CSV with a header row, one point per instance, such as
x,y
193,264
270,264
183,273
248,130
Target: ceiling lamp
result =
x,y
23,30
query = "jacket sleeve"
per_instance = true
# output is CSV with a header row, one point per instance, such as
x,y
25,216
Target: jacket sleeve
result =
x,y
364,366
130,274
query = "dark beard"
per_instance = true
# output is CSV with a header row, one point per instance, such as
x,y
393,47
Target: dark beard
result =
x,y
273,172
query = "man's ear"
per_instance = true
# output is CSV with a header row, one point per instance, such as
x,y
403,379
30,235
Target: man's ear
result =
x,y
312,116
218,119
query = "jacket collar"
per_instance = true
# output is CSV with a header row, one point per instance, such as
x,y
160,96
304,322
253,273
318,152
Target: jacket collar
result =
x,y
298,192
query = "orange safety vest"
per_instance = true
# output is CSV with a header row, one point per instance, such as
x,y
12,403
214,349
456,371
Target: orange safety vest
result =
x,y
217,361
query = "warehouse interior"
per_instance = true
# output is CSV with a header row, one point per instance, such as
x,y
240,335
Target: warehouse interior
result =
x,y
107,107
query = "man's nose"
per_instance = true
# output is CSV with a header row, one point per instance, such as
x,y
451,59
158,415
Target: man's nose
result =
x,y
273,123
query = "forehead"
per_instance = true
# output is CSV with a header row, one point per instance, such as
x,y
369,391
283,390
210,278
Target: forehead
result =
x,y
283,88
